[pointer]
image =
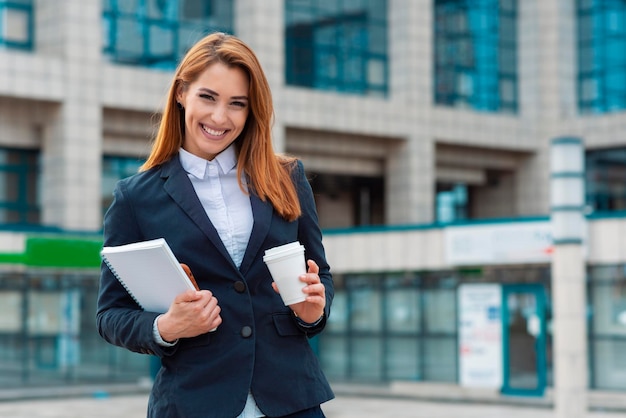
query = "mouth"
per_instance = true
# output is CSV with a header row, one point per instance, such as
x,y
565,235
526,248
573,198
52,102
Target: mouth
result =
x,y
212,132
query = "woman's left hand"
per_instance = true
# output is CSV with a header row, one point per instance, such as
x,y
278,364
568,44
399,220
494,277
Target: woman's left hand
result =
x,y
312,308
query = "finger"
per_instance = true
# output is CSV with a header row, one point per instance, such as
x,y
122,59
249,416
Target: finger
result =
x,y
205,294
313,267
188,296
315,289
310,278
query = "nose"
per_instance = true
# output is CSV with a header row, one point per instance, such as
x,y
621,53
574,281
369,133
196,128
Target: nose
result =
x,y
219,114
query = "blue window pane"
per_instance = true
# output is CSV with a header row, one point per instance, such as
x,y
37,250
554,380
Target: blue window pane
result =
x,y
402,357
475,50
19,187
605,172
113,170
452,203
337,45
156,33
601,60
16,24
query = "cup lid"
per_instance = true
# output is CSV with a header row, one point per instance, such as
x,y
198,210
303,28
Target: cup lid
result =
x,y
271,252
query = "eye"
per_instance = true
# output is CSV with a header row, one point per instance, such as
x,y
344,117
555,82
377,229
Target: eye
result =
x,y
239,104
207,96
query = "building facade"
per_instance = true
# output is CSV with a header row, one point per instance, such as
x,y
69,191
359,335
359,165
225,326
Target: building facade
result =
x,y
423,124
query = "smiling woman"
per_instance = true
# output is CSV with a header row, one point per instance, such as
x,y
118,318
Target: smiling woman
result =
x,y
213,187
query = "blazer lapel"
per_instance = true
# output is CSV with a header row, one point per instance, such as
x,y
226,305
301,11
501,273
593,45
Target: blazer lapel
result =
x,y
262,213
178,186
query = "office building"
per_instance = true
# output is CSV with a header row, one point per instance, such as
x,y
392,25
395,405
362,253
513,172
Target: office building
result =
x,y
425,127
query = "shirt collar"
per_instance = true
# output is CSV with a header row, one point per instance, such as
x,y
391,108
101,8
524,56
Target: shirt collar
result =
x,y
196,166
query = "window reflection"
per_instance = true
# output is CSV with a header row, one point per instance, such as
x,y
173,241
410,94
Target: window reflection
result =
x,y
339,46
16,24
113,170
475,54
19,186
601,42
365,314
156,33
608,326
383,331
605,173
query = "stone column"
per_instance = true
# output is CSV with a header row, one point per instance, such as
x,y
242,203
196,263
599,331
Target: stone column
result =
x,y
410,167
568,279
70,30
262,26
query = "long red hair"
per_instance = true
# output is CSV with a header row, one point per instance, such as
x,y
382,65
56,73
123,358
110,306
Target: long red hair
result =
x,y
269,174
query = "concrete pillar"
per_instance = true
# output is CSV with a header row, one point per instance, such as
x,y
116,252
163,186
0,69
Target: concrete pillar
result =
x,y
261,25
410,170
568,279
71,151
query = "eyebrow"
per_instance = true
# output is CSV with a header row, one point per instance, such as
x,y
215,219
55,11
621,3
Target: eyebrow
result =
x,y
214,93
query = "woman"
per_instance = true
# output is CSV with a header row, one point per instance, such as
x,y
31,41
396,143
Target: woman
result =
x,y
215,190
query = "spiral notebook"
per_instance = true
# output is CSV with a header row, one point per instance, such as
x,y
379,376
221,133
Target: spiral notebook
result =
x,y
149,271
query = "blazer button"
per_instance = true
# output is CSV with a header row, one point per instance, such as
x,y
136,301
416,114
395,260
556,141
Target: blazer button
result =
x,y
240,287
246,331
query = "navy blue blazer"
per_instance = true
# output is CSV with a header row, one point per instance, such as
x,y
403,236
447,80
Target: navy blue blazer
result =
x,y
260,345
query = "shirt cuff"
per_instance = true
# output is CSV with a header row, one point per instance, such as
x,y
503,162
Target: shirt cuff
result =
x,y
309,324
157,335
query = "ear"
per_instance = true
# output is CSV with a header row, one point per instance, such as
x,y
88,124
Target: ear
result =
x,y
180,93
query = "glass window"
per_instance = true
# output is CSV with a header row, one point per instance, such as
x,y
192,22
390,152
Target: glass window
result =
x,y
601,61
16,24
19,187
114,169
400,326
338,321
605,173
365,345
609,364
439,337
403,358
403,318
475,52
440,310
452,202
440,359
365,304
334,355
366,358
403,307
52,336
337,45
608,326
156,33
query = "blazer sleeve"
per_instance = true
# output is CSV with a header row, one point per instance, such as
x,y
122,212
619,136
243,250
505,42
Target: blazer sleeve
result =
x,y
119,319
310,235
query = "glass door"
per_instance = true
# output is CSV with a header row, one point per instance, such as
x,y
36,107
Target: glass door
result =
x,y
524,339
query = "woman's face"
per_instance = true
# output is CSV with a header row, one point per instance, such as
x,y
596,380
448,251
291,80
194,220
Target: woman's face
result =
x,y
216,108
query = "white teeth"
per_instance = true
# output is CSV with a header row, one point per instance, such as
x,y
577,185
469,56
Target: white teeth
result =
x,y
211,131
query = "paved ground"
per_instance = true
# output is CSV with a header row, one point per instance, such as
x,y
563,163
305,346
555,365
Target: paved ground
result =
x,y
134,406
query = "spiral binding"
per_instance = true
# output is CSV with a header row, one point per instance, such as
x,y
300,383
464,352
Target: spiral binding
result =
x,y
119,279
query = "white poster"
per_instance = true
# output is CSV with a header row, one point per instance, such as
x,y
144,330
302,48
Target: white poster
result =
x,y
480,335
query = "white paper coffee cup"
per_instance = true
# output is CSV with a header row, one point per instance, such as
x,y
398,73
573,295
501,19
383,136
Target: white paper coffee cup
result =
x,y
286,264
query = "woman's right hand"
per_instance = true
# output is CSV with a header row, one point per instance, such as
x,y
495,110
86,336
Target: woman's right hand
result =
x,y
192,313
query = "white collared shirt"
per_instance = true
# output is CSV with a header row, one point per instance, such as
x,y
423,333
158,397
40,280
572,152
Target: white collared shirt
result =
x,y
226,205
229,210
